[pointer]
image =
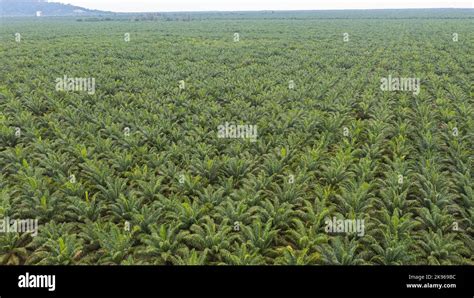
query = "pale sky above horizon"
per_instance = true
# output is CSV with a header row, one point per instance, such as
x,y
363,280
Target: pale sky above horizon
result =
x,y
230,5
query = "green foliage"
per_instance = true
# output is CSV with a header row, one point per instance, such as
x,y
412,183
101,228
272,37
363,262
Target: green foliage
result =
x,y
170,192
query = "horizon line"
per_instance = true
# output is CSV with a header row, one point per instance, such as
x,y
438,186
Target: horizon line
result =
x,y
283,10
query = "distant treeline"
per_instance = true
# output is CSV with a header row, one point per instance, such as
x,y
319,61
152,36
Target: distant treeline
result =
x,y
327,14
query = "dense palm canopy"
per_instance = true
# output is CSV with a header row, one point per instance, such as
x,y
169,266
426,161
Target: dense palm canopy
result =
x,y
169,191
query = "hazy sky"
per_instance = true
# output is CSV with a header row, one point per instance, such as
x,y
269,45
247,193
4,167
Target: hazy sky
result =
x,y
199,5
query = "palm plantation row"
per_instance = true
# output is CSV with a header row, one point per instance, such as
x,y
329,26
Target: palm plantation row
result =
x,y
136,173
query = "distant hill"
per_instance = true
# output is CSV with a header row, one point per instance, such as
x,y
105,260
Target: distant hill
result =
x,y
31,7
